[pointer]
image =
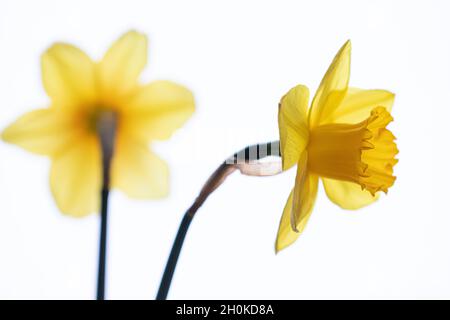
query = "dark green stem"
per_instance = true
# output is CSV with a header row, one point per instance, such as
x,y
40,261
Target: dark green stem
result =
x,y
174,254
243,161
106,129
103,241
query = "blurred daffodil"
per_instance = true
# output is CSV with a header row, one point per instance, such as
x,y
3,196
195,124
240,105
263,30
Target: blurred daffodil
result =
x,y
341,139
82,92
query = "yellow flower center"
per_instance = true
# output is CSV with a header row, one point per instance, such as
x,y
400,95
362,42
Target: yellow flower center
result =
x,y
363,153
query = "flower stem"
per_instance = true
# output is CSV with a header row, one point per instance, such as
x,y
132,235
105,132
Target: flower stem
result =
x,y
106,129
174,253
246,161
102,252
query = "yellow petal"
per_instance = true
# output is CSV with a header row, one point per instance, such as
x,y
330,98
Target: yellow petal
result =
x,y
138,172
305,192
157,110
347,195
332,88
43,131
286,236
75,178
357,105
123,62
293,125
68,75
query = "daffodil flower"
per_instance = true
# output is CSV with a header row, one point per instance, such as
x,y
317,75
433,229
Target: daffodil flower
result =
x,y
84,93
341,139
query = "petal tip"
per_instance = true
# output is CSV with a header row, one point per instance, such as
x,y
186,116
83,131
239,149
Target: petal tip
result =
x,y
347,45
8,134
135,34
346,48
4,135
54,49
278,248
392,95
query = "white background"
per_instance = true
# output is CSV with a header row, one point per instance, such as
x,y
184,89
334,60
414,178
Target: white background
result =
x,y
239,58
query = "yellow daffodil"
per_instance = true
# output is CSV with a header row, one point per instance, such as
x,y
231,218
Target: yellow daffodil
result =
x,y
341,139
82,92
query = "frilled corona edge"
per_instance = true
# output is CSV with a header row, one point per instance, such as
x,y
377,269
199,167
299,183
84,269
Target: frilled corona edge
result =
x,y
362,153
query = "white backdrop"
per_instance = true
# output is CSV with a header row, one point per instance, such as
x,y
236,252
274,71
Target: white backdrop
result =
x,y
239,58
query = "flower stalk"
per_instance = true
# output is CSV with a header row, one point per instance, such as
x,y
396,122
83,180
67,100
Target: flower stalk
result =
x,y
247,161
106,129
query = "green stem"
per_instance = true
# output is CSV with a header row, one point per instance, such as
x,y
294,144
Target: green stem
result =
x,y
245,161
106,130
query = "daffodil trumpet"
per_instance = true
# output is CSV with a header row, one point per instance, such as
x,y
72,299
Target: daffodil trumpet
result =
x,y
258,160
